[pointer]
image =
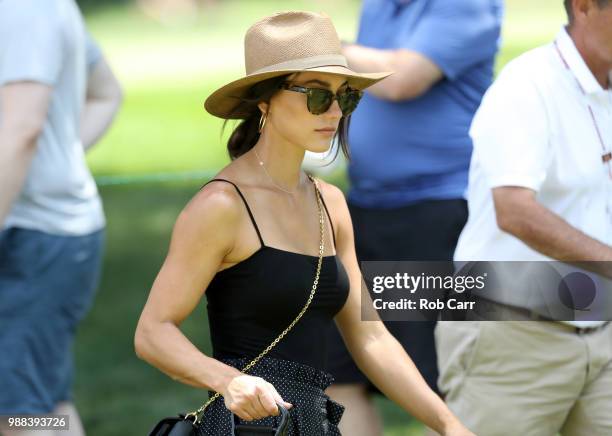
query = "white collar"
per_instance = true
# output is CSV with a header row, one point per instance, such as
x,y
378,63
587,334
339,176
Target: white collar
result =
x,y
579,68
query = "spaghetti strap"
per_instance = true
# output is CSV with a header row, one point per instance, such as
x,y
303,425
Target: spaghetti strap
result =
x,y
330,220
331,223
245,203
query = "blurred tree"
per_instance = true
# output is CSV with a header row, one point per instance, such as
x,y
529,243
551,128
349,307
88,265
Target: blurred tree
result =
x,y
87,5
175,11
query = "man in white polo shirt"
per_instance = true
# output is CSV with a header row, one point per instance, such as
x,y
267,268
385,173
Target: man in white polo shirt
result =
x,y
540,188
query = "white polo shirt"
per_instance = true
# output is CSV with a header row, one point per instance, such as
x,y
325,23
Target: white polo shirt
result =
x,y
533,129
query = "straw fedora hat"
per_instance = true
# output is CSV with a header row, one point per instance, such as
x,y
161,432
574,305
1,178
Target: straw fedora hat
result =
x,y
285,43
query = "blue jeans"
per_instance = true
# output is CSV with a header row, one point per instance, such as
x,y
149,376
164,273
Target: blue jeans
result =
x,y
47,286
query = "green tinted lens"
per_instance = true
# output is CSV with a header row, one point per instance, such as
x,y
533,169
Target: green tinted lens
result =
x,y
319,101
349,100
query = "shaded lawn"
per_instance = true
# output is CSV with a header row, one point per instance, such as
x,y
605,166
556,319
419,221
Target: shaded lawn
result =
x,y
116,393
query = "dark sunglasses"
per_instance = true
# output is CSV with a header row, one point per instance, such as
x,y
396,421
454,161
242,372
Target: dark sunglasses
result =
x,y
320,100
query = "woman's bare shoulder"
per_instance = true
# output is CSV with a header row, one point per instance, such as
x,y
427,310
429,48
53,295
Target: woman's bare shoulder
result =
x,y
216,208
336,205
219,193
333,196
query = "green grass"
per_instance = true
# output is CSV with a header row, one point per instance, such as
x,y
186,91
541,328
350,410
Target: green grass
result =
x,y
116,393
160,130
167,71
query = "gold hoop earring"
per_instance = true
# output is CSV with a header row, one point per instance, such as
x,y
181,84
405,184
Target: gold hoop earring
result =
x,y
262,121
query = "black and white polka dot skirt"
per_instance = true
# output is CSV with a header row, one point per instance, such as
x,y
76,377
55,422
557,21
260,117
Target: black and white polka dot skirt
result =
x,y
313,412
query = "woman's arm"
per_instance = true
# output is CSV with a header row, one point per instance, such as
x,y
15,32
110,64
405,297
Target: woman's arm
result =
x,y
375,351
201,238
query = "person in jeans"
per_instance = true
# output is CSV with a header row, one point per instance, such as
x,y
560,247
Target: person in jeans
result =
x,y
57,97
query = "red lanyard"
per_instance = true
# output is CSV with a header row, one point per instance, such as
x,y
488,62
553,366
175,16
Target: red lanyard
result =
x,y
606,155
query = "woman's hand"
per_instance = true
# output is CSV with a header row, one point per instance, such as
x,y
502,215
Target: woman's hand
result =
x,y
252,398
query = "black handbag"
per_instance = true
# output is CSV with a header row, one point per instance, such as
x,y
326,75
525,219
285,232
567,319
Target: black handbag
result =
x,y
183,426
258,430
175,426
187,425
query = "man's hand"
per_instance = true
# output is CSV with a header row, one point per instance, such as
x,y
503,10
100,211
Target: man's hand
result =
x,y
24,113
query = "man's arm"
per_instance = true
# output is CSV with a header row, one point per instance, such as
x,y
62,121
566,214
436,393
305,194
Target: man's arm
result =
x,y
446,40
519,213
414,73
104,96
24,113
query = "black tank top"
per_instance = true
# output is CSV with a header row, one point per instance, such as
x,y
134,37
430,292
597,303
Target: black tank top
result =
x,y
250,303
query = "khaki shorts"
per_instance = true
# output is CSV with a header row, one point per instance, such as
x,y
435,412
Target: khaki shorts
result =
x,y
526,378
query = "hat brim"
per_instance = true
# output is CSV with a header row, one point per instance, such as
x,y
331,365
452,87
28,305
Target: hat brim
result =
x,y
224,101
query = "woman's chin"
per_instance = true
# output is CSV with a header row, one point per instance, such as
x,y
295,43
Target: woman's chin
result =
x,y
320,147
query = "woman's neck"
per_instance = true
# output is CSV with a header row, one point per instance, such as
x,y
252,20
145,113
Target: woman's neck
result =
x,y
281,161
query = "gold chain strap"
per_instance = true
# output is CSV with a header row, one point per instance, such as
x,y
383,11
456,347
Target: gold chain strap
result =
x,y
198,414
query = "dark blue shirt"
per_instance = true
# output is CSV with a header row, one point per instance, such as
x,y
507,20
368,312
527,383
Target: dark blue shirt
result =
x,y
419,149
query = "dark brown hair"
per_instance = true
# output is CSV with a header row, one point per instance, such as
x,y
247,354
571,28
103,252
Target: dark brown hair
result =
x,y
246,134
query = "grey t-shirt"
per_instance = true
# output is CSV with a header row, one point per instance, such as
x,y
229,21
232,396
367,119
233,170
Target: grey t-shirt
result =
x,y
46,41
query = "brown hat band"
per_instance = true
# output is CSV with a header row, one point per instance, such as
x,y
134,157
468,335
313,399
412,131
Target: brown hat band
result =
x,y
305,63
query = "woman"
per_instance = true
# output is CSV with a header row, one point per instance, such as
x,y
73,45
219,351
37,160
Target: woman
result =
x,y
249,240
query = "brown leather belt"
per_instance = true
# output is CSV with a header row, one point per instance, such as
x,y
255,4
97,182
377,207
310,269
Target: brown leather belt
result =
x,y
588,330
